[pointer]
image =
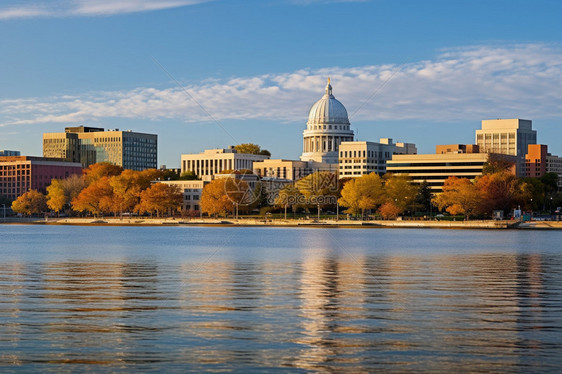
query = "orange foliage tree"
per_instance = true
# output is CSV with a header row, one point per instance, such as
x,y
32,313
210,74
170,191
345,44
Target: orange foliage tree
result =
x,y
459,196
389,210
99,170
501,191
160,197
96,198
214,199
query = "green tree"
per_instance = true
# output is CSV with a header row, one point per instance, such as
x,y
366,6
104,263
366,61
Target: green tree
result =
x,y
424,197
188,176
31,202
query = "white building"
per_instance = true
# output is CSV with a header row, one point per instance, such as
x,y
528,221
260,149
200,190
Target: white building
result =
x,y
212,161
327,126
360,157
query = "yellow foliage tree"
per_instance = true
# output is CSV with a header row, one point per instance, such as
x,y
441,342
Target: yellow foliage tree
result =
x,y
31,202
363,193
401,191
56,197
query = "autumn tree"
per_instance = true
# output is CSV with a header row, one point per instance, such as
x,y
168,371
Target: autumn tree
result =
x,y
400,191
501,191
389,210
31,202
363,193
56,197
250,148
459,196
126,190
318,189
72,186
99,170
96,198
159,198
289,196
213,198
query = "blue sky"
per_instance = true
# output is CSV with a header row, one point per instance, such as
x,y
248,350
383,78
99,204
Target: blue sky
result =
x,y
418,71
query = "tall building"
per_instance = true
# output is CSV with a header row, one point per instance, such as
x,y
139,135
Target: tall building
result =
x,y
359,158
508,137
19,174
88,145
6,152
213,161
327,126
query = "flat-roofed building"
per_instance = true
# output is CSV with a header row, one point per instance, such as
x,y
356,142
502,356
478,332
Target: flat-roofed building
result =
x,y
6,152
89,145
436,168
457,148
361,157
508,137
282,169
19,174
538,162
213,161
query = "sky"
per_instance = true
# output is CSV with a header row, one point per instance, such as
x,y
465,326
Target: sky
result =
x,y
212,73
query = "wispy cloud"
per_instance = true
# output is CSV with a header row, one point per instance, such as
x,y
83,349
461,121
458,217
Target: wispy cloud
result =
x,y
72,8
468,83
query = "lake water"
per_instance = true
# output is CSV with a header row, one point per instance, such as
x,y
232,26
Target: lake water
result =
x,y
181,299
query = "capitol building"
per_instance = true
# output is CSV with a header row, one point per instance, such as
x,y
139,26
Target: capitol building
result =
x,y
327,127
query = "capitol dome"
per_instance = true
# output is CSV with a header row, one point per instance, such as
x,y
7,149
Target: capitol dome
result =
x,y
328,110
327,126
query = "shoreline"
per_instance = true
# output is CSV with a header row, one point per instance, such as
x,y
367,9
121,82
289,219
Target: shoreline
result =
x,y
311,223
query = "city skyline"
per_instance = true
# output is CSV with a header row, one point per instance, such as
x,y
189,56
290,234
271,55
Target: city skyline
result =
x,y
208,74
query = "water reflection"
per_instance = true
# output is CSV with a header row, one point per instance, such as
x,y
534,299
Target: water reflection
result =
x,y
320,307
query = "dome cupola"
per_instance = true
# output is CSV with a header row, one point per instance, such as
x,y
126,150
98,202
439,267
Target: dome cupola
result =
x,y
328,110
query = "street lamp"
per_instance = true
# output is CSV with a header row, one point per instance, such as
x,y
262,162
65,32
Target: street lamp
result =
x,y
4,210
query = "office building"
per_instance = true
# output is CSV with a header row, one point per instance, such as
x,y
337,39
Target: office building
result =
x,y
213,161
436,168
360,157
19,174
282,169
6,152
508,137
538,162
89,145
